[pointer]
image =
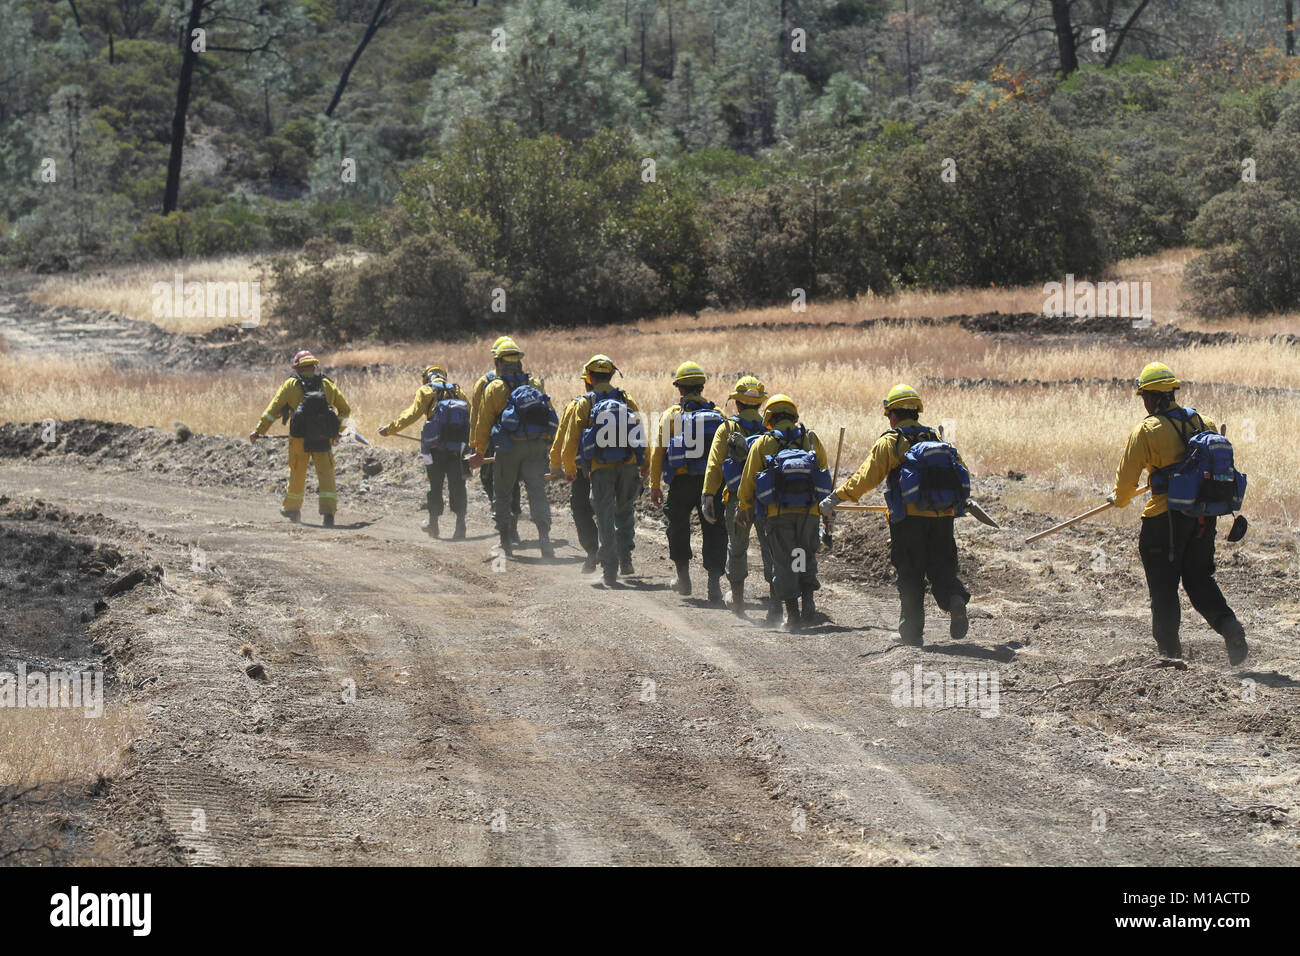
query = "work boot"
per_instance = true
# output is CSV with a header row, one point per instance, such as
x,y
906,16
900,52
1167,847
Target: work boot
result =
x,y
459,534
736,599
715,588
625,567
611,577
329,520
430,525
294,516
544,542
1234,637
592,562
917,641
682,583
514,530
808,612
505,544
959,623
790,619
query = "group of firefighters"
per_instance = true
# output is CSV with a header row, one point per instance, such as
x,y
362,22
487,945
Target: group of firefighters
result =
x,y
758,469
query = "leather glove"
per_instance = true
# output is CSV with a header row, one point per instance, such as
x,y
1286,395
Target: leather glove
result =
x,y
656,496
828,506
254,437
706,508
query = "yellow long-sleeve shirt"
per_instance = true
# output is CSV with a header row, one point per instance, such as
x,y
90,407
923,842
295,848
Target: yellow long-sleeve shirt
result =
x,y
1155,443
670,425
422,405
569,437
720,450
475,405
885,455
289,397
769,445
495,399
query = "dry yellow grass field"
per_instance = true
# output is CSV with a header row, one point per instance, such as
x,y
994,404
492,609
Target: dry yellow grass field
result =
x,y
1069,434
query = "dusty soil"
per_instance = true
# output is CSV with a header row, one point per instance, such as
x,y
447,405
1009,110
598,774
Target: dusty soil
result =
x,y
411,697
369,695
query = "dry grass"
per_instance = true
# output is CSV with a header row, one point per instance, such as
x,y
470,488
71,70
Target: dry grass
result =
x,y
1068,434
62,745
128,290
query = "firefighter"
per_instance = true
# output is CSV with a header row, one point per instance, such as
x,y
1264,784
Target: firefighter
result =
x,y
475,405
315,410
442,447
521,438
727,456
785,477
921,542
679,458
605,443
1173,546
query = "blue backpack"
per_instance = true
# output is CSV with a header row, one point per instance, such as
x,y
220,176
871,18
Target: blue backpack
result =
x,y
528,414
931,476
448,425
792,477
743,435
1206,482
613,434
689,448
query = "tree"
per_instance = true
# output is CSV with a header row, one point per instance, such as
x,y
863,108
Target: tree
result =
x,y
384,12
244,26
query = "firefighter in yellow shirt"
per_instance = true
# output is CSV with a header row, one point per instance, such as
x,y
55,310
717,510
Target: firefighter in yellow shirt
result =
x,y
790,508
318,409
678,458
1173,546
921,542
485,475
603,445
727,458
442,446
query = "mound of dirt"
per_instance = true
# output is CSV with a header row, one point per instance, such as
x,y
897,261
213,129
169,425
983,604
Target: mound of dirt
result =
x,y
208,459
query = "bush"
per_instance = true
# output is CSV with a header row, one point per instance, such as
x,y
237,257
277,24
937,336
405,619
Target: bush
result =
x,y
1254,265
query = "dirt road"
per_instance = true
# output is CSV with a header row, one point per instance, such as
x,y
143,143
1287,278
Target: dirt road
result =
x,y
421,705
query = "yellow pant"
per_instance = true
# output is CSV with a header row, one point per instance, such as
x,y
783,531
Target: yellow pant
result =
x,y
299,458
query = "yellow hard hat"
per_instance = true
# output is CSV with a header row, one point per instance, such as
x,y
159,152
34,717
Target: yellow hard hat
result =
x,y
749,390
434,371
506,348
780,406
1157,377
688,373
599,363
903,396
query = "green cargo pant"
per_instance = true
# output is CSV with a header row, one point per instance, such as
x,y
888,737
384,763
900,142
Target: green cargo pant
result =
x,y
920,548
793,539
522,460
613,498
738,546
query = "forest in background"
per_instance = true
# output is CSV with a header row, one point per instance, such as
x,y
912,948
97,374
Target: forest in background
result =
x,y
399,160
